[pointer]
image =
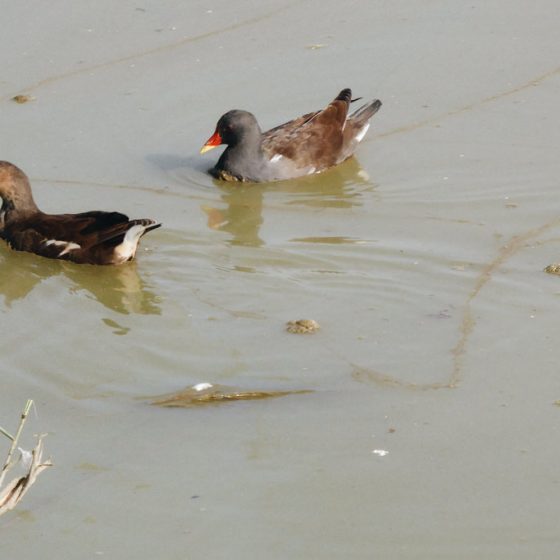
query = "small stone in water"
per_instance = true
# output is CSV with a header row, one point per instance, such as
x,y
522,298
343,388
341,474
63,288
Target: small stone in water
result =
x,y
21,98
302,326
553,269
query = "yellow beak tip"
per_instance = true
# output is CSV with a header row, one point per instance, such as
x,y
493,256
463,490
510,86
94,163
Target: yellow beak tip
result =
x,y
206,148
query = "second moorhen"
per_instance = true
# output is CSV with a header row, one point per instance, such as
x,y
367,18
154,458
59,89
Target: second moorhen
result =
x,y
308,144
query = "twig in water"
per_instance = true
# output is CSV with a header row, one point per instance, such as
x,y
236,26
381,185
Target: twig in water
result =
x,y
14,491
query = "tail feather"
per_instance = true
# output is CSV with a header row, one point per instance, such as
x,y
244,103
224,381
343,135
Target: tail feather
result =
x,y
356,127
365,112
117,234
140,228
344,95
149,225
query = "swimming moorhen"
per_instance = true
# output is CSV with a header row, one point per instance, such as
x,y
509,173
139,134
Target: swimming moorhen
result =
x,y
308,144
87,238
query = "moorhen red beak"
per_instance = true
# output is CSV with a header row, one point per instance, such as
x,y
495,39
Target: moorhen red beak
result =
x,y
212,142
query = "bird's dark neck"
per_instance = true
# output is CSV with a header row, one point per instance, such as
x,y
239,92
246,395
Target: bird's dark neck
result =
x,y
245,151
244,157
248,141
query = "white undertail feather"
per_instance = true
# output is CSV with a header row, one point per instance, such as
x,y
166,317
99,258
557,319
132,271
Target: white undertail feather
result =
x,y
127,249
362,133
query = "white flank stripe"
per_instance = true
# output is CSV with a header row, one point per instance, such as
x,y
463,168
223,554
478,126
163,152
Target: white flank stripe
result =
x,y
68,246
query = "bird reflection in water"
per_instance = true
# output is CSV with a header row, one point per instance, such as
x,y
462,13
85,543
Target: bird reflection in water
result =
x,y
242,217
120,289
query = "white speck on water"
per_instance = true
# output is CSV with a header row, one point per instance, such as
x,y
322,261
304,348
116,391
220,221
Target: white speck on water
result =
x,y
380,452
201,386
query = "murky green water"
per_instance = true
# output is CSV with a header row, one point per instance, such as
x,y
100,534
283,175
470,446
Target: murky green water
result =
x,y
421,260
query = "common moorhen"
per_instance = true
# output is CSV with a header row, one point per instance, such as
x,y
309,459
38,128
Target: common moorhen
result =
x,y
87,238
308,144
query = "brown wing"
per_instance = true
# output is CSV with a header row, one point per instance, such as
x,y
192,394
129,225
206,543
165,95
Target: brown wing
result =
x,y
289,127
313,140
87,228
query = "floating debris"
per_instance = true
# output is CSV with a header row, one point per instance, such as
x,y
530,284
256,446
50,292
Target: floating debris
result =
x,y
459,267
22,98
206,393
302,326
316,46
553,269
31,461
380,452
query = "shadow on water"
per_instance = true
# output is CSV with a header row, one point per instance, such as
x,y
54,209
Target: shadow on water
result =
x,y
242,217
119,288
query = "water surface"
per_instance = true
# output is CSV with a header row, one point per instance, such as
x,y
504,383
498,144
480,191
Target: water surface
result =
x,y
421,259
